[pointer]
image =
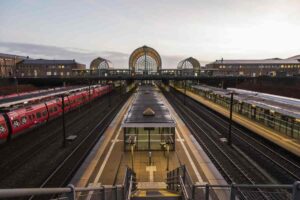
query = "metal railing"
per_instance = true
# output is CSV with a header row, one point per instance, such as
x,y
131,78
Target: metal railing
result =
x,y
101,192
129,183
179,180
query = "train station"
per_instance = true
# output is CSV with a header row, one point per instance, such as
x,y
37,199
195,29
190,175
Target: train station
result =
x,y
149,100
160,134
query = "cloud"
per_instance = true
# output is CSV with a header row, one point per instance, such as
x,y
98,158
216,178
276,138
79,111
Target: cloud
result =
x,y
118,59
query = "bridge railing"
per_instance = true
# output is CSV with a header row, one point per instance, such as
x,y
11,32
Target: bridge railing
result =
x,y
179,180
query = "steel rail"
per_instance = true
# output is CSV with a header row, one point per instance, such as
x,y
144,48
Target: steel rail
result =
x,y
243,174
287,163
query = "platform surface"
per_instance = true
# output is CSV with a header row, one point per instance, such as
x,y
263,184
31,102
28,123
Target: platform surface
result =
x,y
107,164
292,145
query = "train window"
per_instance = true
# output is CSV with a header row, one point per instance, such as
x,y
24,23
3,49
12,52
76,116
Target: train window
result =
x,y
16,123
2,129
38,115
44,113
24,120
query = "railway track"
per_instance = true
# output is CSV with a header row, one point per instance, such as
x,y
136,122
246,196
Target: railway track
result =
x,y
17,160
235,168
66,169
43,147
282,166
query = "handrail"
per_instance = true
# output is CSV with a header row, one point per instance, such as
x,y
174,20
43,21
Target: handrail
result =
x,y
183,189
130,188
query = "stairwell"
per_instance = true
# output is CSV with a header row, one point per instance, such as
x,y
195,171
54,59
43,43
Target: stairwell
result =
x,y
154,190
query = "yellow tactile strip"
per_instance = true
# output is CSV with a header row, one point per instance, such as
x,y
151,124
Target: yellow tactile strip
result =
x,y
145,193
274,136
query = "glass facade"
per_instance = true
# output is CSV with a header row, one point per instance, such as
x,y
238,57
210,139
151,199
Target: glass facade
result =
x,y
151,138
146,65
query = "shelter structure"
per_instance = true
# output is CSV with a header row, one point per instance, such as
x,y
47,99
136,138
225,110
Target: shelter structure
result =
x,y
148,122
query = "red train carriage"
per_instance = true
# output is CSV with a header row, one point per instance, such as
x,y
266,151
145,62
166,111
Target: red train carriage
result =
x,y
3,128
21,119
24,118
54,108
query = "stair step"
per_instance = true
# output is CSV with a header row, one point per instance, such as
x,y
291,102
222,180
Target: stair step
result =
x,y
151,185
155,194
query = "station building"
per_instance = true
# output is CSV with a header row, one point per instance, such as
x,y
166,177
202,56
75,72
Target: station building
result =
x,y
148,122
258,67
47,68
8,64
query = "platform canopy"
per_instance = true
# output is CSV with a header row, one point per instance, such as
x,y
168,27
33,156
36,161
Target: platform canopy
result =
x,y
148,110
144,60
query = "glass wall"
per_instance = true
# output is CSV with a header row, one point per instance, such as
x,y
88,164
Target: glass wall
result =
x,y
147,139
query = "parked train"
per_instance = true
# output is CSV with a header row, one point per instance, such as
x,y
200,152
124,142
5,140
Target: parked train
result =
x,y
16,121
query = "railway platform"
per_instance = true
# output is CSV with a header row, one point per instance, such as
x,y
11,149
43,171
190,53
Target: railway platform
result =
x,y
291,145
107,163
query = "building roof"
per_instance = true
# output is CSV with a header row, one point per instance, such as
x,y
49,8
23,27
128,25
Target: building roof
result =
x,y
47,62
284,105
291,60
147,98
4,55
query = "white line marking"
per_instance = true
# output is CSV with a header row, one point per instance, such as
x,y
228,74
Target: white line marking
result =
x,y
190,158
95,183
151,170
106,158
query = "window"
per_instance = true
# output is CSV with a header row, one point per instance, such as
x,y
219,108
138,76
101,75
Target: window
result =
x,y
16,123
55,109
24,120
2,129
48,73
38,115
44,113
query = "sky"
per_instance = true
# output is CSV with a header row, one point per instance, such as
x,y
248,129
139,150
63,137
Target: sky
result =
x,y
204,29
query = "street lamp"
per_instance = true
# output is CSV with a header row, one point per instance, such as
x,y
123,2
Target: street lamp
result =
x,y
63,117
230,119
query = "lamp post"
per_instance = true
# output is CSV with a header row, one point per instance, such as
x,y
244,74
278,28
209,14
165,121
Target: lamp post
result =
x,y
63,118
230,120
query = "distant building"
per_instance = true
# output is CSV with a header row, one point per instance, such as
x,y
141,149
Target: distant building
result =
x,y
100,66
8,64
45,68
189,67
269,67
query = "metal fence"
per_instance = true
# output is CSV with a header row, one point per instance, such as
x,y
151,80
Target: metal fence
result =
x,y
180,181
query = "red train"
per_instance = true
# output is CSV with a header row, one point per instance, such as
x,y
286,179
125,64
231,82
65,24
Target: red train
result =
x,y
19,120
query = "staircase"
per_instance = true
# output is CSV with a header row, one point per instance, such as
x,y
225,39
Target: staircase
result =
x,y
154,190
178,186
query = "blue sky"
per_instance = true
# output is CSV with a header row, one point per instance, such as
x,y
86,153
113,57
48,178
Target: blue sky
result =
x,y
205,29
